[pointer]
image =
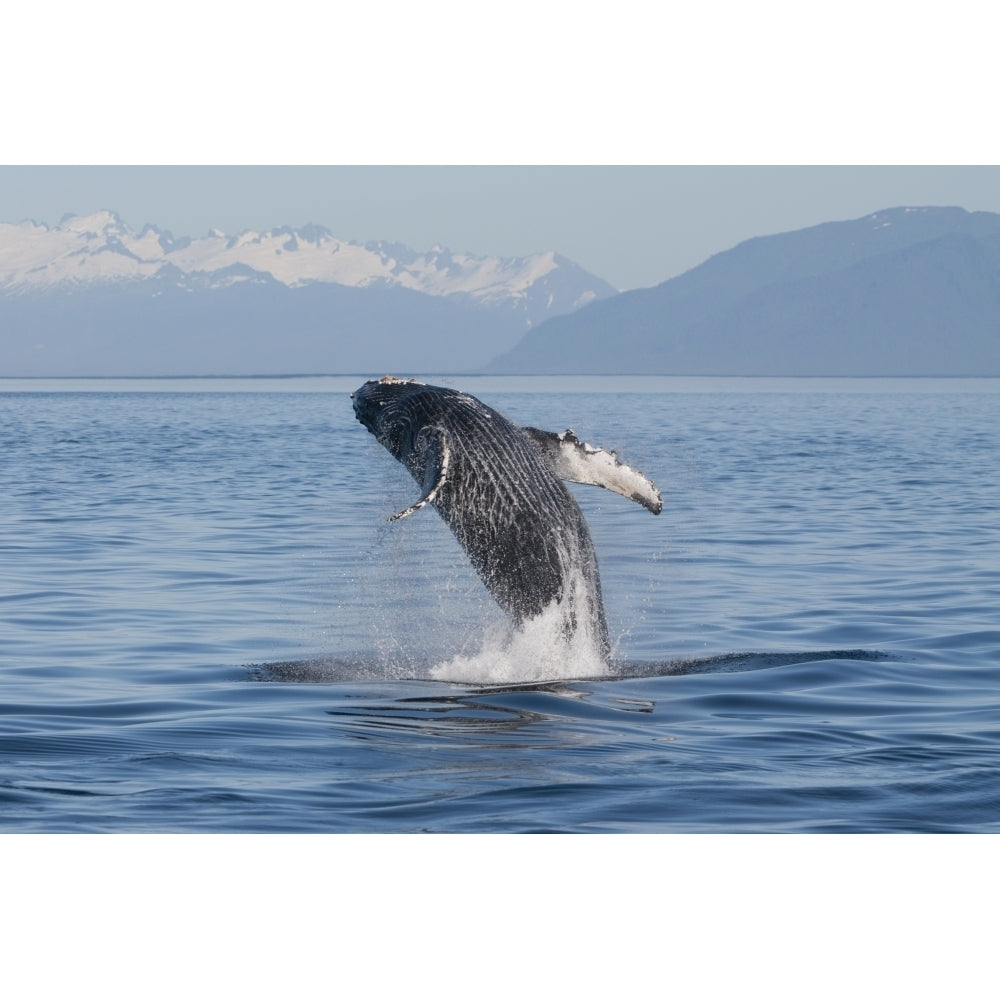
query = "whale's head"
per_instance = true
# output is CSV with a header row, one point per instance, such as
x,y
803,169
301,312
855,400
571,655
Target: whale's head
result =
x,y
378,405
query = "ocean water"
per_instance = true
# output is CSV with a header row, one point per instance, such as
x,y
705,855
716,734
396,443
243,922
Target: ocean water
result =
x,y
207,624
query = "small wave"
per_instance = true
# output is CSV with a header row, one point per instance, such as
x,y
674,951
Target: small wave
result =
x,y
740,662
521,659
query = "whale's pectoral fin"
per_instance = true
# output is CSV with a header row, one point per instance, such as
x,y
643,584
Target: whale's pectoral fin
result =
x,y
431,451
578,462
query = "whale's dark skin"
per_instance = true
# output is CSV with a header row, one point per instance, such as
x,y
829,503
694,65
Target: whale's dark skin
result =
x,y
499,490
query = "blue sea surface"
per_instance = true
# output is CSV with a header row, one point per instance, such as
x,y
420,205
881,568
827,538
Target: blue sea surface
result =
x,y
207,624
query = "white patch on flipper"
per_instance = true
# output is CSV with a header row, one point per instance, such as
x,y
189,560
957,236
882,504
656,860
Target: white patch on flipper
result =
x,y
579,462
438,458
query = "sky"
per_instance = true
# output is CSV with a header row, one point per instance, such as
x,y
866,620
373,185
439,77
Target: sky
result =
x,y
632,226
501,91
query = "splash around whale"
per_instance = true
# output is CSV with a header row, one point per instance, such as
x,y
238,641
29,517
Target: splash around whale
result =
x,y
499,488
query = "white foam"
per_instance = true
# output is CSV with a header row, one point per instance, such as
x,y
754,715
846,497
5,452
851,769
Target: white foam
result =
x,y
536,652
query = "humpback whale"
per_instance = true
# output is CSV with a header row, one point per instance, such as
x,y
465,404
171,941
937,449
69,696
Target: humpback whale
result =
x,y
499,489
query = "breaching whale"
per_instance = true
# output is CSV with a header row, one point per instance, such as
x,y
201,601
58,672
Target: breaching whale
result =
x,y
499,489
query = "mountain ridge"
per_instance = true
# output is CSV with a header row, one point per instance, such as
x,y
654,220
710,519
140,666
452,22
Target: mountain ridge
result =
x,y
910,290
90,294
38,257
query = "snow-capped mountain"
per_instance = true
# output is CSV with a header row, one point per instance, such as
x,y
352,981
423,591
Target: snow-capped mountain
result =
x,y
91,296
100,249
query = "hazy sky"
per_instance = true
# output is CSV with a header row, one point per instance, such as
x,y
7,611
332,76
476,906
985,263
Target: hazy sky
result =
x,y
633,226
532,81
